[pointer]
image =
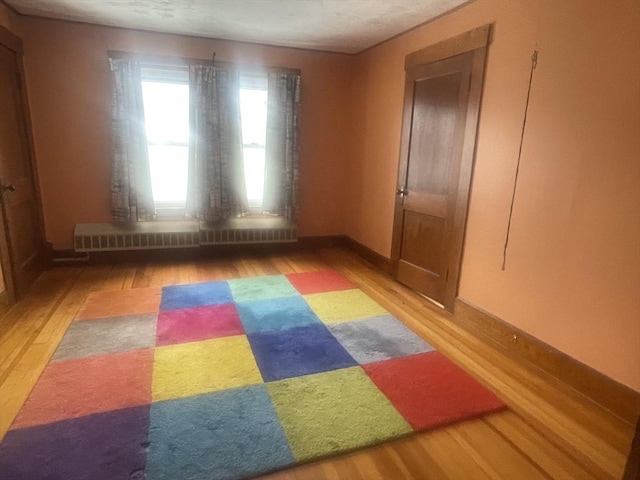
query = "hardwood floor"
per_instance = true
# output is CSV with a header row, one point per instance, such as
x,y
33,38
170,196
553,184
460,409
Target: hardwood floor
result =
x,y
549,431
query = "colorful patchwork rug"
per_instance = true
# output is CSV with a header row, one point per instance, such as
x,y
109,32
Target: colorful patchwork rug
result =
x,y
228,380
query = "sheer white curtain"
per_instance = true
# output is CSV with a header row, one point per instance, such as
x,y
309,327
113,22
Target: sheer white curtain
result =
x,y
131,194
281,162
216,176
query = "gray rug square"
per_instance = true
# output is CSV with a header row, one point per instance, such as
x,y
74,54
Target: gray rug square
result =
x,y
378,338
86,338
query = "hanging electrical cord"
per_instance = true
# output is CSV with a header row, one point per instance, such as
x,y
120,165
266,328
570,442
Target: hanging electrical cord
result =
x,y
534,64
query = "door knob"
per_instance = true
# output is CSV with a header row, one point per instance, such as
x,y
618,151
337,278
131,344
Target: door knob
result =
x,y
4,187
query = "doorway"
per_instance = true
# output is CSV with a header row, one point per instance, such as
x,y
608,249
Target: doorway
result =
x,y
21,226
443,86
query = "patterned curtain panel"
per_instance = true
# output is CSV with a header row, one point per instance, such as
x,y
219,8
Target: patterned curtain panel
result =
x,y
281,163
131,194
216,187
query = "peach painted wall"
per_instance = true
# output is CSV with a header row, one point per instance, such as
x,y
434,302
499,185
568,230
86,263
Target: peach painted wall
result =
x,y
68,81
572,277
573,271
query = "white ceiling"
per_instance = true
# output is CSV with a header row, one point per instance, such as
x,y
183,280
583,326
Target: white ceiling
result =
x,y
348,26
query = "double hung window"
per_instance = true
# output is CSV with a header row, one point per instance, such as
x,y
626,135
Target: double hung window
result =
x,y
165,92
253,113
202,141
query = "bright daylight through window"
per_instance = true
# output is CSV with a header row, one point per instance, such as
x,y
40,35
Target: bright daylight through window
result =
x,y
253,111
166,112
166,106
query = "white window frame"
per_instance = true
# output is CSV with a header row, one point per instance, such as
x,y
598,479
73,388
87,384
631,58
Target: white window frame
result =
x,y
175,74
255,81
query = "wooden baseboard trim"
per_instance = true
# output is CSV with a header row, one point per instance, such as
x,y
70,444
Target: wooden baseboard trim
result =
x,y
371,256
5,302
325,241
615,397
632,468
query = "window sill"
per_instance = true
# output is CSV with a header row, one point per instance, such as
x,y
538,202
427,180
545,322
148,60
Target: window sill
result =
x,y
170,213
249,222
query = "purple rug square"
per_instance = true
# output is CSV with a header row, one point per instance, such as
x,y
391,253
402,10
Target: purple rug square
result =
x,y
199,323
103,446
195,295
298,351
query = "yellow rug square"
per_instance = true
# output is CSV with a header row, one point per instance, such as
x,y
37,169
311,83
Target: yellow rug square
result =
x,y
343,306
188,369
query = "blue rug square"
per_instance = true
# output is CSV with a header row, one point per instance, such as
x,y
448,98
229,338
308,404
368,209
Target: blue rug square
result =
x,y
276,314
196,295
298,351
217,436
102,446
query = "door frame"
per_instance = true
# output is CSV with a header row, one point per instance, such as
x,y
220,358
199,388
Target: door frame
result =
x,y
14,43
475,41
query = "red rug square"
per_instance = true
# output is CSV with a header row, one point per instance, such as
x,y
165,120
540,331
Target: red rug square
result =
x,y
319,282
198,323
429,390
89,385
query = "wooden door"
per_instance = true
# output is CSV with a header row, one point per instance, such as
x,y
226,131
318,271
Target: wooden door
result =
x,y
21,232
438,140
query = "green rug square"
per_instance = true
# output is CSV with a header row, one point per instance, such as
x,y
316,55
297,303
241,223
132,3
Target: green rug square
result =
x,y
343,306
331,412
261,288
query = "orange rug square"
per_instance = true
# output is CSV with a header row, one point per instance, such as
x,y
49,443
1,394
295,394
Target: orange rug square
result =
x,y
116,303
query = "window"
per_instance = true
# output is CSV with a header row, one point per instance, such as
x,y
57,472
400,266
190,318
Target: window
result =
x,y
156,100
165,94
253,112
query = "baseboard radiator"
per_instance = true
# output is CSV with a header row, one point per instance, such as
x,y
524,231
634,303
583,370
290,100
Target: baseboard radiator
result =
x,y
106,237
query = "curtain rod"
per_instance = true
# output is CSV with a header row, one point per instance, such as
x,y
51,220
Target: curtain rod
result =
x,y
167,60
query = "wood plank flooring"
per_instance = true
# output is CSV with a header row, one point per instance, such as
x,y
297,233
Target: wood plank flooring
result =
x,y
549,431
